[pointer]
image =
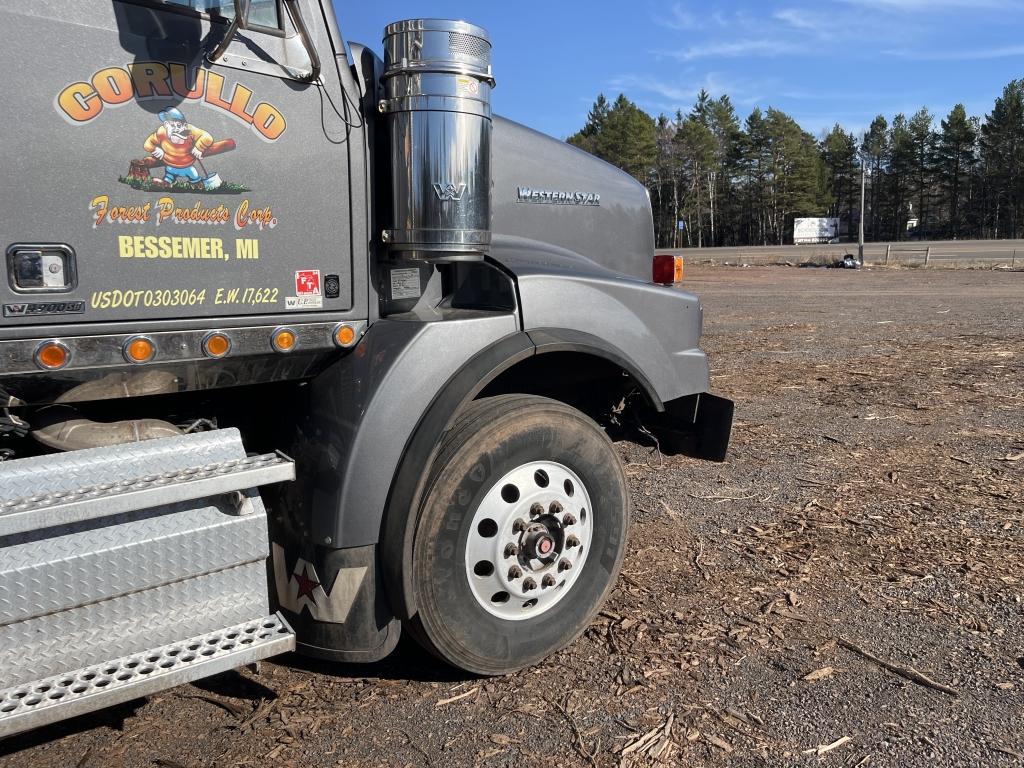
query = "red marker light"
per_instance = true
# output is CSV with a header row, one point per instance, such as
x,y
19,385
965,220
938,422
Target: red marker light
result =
x,y
668,269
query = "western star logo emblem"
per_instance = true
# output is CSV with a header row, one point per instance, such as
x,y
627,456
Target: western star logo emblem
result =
x,y
300,588
452,192
557,197
34,309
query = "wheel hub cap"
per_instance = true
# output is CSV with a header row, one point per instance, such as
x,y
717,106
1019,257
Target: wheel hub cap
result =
x,y
529,539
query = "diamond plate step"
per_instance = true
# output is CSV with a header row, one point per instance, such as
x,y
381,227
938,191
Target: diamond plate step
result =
x,y
107,499
141,674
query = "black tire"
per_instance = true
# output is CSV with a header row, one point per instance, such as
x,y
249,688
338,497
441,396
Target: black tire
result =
x,y
492,437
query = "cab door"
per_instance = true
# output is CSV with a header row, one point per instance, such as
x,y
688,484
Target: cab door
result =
x,y
144,182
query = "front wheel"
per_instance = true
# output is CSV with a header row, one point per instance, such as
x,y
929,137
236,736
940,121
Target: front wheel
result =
x,y
520,536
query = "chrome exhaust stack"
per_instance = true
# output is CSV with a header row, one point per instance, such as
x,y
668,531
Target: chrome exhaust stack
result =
x,y
437,85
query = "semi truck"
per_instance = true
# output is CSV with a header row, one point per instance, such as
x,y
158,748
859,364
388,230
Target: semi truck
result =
x,y
302,347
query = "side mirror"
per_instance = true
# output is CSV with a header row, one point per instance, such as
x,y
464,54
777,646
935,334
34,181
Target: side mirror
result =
x,y
241,21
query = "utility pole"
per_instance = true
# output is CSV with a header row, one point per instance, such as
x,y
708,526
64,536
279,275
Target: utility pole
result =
x,y
860,241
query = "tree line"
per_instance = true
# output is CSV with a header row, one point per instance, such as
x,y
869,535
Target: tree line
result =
x,y
733,183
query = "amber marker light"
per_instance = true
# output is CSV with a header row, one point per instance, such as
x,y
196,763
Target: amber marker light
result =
x,y
52,355
139,349
344,335
284,339
216,344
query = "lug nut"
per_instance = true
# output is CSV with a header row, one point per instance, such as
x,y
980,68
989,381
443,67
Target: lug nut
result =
x,y
555,508
536,509
548,581
529,585
514,573
519,525
572,542
569,519
565,565
511,550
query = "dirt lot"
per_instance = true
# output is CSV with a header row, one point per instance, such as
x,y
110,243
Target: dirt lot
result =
x,y
873,506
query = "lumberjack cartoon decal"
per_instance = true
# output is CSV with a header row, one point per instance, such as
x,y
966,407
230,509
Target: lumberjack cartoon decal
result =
x,y
176,150
179,148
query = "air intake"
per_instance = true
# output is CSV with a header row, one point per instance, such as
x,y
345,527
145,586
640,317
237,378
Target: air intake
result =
x,y
437,84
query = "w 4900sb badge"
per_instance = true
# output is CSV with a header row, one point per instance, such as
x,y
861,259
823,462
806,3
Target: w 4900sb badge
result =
x,y
42,308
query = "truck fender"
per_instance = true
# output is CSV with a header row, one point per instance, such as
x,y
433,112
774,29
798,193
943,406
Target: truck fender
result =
x,y
657,326
401,513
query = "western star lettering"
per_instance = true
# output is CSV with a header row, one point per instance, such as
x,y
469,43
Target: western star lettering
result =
x,y
557,197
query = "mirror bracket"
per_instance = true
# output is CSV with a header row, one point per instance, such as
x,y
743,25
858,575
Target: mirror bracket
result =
x,y
241,21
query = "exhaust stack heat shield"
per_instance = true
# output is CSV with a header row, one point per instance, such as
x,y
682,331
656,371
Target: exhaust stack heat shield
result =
x,y
437,84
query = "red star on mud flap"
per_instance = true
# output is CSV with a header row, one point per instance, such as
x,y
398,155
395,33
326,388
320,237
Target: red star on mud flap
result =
x,y
306,584
300,588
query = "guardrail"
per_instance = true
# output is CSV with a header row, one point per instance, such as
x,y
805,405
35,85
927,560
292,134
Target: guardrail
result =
x,y
996,254
891,248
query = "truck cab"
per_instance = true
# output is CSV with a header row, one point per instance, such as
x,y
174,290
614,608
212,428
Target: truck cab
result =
x,y
302,346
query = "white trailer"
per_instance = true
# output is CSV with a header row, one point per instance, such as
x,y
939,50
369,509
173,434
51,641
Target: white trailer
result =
x,y
815,231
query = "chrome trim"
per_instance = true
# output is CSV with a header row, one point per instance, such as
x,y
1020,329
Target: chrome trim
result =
x,y
419,103
53,342
95,353
437,25
138,337
70,266
450,239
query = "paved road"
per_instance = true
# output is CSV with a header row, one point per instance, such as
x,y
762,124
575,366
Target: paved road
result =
x,y
1010,252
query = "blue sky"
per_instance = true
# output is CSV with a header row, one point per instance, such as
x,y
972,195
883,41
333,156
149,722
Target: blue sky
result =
x,y
822,62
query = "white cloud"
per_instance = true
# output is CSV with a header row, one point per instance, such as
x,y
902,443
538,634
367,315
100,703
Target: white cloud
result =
x,y
670,96
980,54
675,94
931,5
728,49
678,19
817,24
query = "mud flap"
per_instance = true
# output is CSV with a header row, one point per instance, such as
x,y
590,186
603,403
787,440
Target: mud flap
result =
x,y
334,598
697,425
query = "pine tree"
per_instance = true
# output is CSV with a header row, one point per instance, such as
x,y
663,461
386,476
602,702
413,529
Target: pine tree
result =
x,y
627,138
876,149
900,169
743,185
585,138
665,199
756,162
1003,151
694,151
923,138
623,135
955,155
842,173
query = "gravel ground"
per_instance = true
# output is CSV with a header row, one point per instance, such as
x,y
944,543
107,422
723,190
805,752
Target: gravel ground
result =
x,y
845,591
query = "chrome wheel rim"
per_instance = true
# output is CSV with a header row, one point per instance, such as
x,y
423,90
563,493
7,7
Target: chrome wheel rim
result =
x,y
529,540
